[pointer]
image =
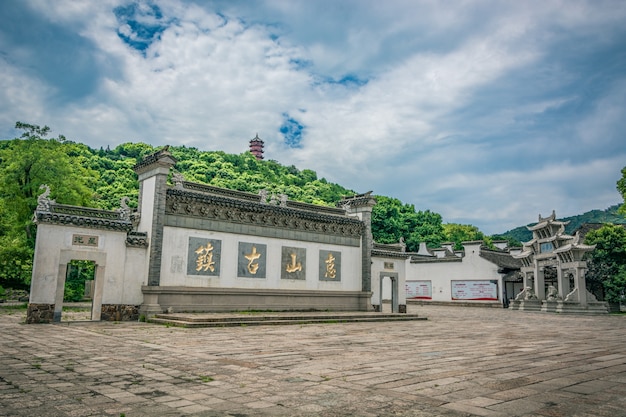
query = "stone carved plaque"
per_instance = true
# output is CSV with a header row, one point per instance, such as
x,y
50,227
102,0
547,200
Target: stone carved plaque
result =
x,y
252,260
203,256
330,265
293,263
85,240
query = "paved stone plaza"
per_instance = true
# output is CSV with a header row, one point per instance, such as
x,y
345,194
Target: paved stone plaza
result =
x,y
461,362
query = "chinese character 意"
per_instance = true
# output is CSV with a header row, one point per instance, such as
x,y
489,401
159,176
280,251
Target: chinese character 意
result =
x,y
293,266
204,261
253,267
331,272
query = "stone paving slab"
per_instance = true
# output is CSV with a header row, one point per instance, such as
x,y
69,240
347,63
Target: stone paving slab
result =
x,y
461,362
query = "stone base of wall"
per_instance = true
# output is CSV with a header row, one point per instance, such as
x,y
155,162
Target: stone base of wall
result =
x,y
196,299
39,313
494,304
566,307
119,312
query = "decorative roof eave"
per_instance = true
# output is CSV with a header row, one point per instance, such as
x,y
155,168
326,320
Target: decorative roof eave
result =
x,y
391,247
431,259
262,197
182,203
389,254
186,197
523,254
575,247
359,200
501,259
161,157
83,217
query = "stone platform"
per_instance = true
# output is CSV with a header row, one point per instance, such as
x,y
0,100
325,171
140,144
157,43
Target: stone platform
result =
x,y
275,318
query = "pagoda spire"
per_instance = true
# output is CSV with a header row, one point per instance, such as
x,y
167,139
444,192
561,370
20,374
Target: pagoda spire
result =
x,y
256,147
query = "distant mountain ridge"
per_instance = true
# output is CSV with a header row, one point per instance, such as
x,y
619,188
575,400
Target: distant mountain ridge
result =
x,y
610,215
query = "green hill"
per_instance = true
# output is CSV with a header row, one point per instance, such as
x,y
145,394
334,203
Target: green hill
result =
x,y
610,215
80,175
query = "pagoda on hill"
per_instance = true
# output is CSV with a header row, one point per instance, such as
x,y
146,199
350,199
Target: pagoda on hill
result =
x,y
256,147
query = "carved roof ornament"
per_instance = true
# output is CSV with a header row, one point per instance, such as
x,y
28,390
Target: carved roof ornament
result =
x,y
43,202
358,200
178,180
274,200
161,157
124,210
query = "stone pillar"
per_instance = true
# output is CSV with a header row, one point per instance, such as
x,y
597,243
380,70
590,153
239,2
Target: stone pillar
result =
x,y
60,292
361,206
581,285
540,286
152,173
562,282
527,279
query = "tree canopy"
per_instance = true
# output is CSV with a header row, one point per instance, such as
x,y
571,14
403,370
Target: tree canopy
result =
x,y
607,263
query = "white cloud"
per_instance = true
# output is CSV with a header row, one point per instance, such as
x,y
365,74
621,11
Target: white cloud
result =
x,y
442,81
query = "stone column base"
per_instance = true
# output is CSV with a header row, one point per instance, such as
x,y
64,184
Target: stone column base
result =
x,y
529,305
548,306
567,307
119,312
39,313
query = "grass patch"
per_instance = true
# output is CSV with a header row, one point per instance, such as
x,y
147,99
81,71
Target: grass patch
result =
x,y
206,378
22,306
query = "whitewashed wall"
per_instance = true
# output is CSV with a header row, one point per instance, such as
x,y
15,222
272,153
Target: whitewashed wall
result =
x,y
123,271
175,255
441,273
399,267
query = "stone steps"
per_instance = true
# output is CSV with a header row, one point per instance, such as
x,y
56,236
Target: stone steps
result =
x,y
273,319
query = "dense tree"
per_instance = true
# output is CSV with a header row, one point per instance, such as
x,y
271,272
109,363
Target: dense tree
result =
x,y
391,220
459,233
80,175
25,164
607,263
621,187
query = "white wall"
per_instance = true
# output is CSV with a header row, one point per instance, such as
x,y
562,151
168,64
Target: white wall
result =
x,y
110,254
442,273
399,267
175,249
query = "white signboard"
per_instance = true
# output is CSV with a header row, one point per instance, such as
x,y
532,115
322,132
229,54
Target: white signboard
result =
x,y
419,290
475,290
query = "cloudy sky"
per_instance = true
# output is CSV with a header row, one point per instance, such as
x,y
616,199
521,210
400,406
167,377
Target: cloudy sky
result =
x,y
487,112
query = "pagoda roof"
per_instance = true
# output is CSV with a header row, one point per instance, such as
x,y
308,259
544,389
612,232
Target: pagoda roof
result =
x,y
575,244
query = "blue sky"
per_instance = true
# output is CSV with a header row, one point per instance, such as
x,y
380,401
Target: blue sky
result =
x,y
487,112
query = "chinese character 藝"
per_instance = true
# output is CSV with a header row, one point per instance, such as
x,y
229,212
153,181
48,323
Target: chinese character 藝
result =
x,y
204,261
